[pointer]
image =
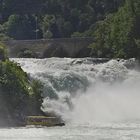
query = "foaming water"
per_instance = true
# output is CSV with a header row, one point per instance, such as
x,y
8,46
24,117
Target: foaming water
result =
x,y
87,90
106,103
111,131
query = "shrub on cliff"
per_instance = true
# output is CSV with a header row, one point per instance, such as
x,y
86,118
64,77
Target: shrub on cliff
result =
x,y
3,53
17,94
35,99
4,37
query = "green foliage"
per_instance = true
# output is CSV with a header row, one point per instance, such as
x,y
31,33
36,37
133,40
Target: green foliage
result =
x,y
55,18
4,37
19,96
35,100
138,48
20,27
17,7
13,80
3,52
26,53
116,35
77,34
15,89
46,24
37,89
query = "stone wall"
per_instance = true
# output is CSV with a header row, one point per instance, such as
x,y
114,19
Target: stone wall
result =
x,y
64,47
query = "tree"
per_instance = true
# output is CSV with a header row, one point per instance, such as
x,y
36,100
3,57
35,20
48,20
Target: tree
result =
x,y
22,7
69,16
116,35
21,27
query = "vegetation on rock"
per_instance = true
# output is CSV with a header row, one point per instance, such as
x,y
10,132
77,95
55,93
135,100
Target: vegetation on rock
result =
x,y
19,96
3,52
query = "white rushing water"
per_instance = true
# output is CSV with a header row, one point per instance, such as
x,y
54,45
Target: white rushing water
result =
x,y
97,100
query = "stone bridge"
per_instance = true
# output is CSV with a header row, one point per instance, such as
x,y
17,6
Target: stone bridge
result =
x,y
63,47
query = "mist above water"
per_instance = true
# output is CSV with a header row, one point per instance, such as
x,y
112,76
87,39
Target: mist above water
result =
x,y
88,90
108,103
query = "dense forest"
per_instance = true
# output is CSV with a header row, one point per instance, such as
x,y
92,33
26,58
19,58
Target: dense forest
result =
x,y
114,24
118,35
31,19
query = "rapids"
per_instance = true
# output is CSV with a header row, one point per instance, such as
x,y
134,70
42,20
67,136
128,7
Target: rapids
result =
x,y
87,90
99,99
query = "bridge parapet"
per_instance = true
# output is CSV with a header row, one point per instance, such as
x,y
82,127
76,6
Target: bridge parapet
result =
x,y
44,47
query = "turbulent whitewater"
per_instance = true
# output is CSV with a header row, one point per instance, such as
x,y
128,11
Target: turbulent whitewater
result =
x,y
88,90
97,98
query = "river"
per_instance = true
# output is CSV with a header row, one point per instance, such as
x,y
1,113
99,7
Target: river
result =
x,y
108,131
98,99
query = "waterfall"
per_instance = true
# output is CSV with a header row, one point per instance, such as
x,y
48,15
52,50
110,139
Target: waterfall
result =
x,y
87,89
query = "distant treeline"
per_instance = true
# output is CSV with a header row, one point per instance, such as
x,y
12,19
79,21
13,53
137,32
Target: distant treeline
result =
x,y
31,19
114,24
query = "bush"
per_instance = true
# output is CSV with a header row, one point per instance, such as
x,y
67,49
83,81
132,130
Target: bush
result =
x,y
116,36
3,37
19,96
26,53
3,52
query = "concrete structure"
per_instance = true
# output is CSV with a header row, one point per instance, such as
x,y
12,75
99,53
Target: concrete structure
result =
x,y
71,46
